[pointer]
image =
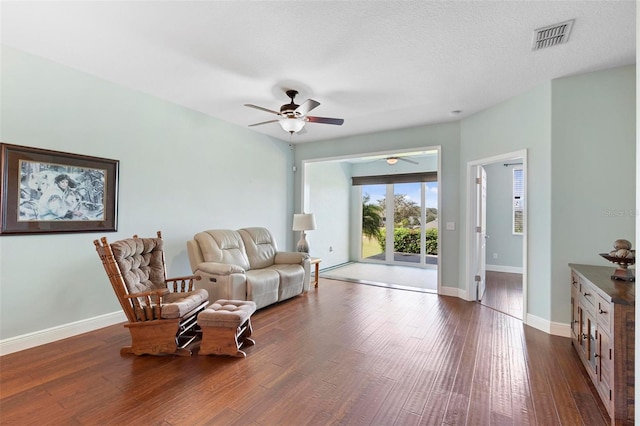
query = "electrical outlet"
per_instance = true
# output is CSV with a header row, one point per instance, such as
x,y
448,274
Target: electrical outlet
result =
x,y
495,255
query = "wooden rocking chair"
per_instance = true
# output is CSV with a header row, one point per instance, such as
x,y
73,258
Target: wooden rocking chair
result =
x,y
161,312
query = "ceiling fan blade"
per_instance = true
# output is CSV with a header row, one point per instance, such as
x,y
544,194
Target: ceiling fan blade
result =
x,y
262,109
407,160
307,106
264,122
325,120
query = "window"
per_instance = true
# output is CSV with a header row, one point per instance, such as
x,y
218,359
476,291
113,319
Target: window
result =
x,y
518,201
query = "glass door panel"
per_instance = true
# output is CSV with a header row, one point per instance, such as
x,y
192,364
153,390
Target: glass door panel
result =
x,y
431,222
407,219
373,222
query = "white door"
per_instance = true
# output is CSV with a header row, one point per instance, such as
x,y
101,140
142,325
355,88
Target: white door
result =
x,y
481,231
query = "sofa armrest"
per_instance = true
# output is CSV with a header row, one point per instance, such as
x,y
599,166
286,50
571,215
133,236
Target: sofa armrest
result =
x,y
290,257
219,268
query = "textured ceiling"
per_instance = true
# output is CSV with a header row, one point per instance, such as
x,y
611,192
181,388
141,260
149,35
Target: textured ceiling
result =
x,y
378,64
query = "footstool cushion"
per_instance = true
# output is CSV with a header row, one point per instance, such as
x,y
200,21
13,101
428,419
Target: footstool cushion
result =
x,y
226,327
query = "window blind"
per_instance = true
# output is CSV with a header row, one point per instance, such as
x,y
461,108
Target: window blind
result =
x,y
518,201
396,178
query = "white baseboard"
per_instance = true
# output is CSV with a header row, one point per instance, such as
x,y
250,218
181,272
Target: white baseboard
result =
x,y
453,292
501,268
549,327
41,337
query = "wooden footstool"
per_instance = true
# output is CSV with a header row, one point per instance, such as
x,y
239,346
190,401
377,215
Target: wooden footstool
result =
x,y
226,327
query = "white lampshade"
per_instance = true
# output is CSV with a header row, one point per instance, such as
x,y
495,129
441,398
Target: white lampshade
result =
x,y
304,222
291,125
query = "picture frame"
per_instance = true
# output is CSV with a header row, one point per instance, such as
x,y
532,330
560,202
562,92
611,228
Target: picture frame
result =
x,y
45,192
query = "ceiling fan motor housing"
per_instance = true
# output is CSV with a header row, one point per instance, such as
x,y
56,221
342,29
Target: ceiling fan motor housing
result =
x,y
288,110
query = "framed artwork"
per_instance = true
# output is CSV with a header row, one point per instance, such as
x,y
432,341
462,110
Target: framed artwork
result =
x,y
43,191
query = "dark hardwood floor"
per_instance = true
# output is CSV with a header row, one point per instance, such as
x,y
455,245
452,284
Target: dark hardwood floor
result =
x,y
343,354
504,293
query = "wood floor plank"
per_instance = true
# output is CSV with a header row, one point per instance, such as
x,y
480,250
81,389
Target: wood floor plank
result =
x,y
504,293
479,412
344,353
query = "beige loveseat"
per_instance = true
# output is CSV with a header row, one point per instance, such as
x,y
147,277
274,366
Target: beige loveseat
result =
x,y
246,265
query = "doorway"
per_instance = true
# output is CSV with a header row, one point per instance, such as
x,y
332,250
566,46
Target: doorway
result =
x,y
496,233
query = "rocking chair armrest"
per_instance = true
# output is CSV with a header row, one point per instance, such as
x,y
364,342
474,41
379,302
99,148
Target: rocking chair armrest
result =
x,y
186,277
159,293
182,284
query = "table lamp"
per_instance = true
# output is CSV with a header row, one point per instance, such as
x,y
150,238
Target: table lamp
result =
x,y
303,222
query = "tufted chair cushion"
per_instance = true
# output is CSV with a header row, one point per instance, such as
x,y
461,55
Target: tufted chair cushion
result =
x,y
260,245
141,263
223,246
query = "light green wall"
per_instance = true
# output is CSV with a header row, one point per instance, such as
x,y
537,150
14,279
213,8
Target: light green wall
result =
x,y
523,122
592,172
445,135
328,187
501,239
180,172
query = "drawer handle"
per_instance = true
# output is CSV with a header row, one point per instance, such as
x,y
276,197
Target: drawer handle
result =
x,y
596,355
603,312
585,336
585,294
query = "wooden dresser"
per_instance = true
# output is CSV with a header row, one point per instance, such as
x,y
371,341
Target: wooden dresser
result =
x,y
602,332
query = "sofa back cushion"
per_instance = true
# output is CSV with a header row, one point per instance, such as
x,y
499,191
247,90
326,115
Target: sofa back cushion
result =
x,y
223,246
260,245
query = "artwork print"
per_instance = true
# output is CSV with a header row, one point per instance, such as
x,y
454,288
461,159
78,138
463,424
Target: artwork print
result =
x,y
58,192
46,191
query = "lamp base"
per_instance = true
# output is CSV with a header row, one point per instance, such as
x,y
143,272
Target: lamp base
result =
x,y
303,245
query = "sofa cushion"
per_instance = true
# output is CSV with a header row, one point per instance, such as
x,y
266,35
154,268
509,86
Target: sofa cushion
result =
x,y
291,280
224,246
262,286
260,246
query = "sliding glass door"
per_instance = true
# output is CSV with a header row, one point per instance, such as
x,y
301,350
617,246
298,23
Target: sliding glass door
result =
x,y
400,223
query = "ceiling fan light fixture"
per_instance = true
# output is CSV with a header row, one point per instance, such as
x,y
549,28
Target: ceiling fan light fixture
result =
x,y
392,160
291,125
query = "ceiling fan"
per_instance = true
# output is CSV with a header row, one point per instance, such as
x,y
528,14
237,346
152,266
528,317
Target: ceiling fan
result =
x,y
394,160
293,117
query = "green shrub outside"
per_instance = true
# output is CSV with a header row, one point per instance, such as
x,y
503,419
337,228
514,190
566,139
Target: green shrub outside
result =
x,y
406,240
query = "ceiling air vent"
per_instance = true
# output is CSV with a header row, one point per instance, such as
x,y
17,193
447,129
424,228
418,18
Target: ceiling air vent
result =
x,y
551,35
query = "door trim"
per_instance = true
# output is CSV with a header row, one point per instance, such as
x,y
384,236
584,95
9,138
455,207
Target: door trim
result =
x,y
470,224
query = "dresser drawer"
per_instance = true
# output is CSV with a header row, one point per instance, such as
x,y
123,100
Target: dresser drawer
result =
x,y
603,314
575,280
588,295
